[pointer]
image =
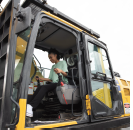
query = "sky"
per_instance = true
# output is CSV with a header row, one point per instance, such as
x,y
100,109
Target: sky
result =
x,y
109,18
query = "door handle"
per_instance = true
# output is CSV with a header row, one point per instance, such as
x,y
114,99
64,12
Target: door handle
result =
x,y
97,73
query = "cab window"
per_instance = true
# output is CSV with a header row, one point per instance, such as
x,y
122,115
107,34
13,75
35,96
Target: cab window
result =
x,y
99,60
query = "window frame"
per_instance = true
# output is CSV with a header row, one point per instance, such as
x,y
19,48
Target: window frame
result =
x,y
109,79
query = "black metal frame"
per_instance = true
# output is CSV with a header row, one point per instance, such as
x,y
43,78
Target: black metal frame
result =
x,y
118,123
8,28
28,59
89,78
59,14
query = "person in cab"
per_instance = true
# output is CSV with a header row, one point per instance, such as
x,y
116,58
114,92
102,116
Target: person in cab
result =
x,y
58,67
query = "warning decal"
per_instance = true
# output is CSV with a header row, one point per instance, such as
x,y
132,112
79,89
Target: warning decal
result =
x,y
127,108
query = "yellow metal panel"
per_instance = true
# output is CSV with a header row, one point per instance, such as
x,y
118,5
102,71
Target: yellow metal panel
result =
x,y
128,83
32,128
101,59
107,96
99,94
124,82
21,45
33,70
124,92
108,100
103,95
21,123
88,105
57,125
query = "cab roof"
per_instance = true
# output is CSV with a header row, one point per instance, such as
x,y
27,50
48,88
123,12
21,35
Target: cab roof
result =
x,y
37,6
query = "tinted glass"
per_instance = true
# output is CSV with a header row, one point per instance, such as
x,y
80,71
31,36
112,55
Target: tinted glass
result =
x,y
99,60
102,92
22,41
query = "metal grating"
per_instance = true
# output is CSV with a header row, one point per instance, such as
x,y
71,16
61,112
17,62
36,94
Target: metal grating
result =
x,y
35,9
4,33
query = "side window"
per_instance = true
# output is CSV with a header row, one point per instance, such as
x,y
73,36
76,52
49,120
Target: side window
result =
x,y
42,62
102,92
99,63
99,60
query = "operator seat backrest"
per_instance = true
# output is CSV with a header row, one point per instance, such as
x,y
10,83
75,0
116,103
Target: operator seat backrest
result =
x,y
74,67
68,89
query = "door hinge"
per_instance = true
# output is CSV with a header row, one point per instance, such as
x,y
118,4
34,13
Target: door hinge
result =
x,y
88,105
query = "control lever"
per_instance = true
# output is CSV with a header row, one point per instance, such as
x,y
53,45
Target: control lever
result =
x,y
38,81
60,83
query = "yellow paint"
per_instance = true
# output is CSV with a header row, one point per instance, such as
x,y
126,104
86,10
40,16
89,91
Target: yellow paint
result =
x,y
107,96
21,45
32,129
103,94
55,17
57,124
101,59
88,105
99,94
125,96
119,116
21,123
128,83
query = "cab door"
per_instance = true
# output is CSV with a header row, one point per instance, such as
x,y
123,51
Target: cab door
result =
x,y
102,90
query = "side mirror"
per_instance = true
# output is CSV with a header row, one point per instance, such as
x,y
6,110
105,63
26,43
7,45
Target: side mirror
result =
x,y
23,19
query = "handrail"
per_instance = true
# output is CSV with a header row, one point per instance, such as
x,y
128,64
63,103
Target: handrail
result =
x,y
18,111
37,60
44,68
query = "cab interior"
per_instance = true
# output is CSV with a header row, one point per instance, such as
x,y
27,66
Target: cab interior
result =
x,y
52,106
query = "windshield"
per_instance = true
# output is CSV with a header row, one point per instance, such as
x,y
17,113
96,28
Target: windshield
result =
x,y
99,60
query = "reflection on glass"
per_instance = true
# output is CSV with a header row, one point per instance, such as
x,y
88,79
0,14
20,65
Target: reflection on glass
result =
x,y
99,60
102,92
21,46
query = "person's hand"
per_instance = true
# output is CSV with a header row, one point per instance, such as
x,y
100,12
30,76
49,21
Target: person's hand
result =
x,y
56,70
37,77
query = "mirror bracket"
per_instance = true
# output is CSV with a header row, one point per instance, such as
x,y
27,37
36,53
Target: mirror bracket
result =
x,y
22,19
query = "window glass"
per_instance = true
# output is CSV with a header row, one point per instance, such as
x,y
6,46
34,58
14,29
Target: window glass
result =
x,y
99,60
42,62
102,92
22,41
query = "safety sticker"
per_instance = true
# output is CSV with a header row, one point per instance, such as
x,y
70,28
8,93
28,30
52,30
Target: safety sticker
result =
x,y
30,91
127,108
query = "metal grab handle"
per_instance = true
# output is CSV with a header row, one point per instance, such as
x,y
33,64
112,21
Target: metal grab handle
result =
x,y
18,111
100,73
37,61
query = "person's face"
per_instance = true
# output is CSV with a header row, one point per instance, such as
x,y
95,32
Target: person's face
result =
x,y
52,57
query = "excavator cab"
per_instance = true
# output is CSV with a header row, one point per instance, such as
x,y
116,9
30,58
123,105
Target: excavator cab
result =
x,y
92,93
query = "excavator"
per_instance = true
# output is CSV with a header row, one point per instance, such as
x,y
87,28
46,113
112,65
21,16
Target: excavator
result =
x,y
96,97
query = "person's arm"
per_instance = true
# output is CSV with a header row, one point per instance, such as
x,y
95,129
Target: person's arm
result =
x,y
43,79
57,70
